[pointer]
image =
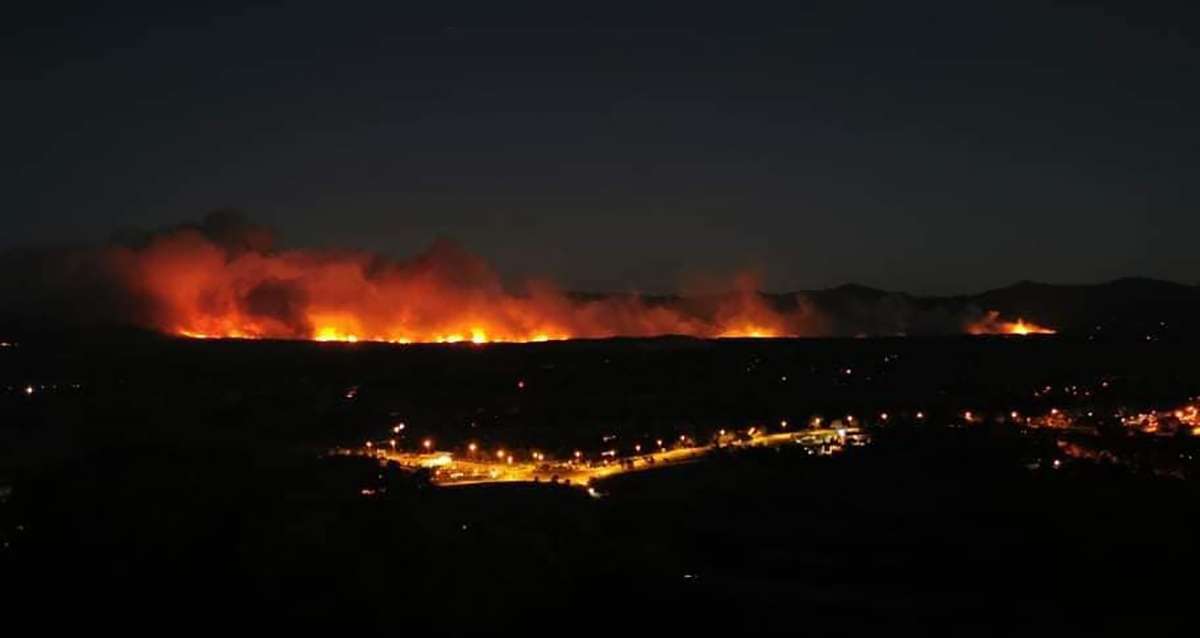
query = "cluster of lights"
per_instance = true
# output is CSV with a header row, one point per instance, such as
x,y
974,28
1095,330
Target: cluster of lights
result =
x,y
1185,417
578,469
753,432
31,389
505,457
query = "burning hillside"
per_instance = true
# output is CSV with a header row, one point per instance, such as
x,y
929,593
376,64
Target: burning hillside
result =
x,y
224,278
993,324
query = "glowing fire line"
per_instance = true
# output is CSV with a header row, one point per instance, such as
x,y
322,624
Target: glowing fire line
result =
x,y
991,324
475,337
222,279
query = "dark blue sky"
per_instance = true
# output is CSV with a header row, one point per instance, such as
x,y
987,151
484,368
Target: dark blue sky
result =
x,y
940,147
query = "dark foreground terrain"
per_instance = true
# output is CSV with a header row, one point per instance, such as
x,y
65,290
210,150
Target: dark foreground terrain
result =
x,y
182,484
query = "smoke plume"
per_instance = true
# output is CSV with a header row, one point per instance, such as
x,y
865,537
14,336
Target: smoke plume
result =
x,y
225,277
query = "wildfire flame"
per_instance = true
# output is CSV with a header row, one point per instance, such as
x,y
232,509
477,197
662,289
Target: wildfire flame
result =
x,y
992,324
222,278
197,286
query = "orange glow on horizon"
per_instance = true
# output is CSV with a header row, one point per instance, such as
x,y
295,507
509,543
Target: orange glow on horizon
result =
x,y
992,324
221,281
194,286
330,336
1021,327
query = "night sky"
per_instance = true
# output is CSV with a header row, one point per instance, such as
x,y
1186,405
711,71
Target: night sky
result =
x,y
934,148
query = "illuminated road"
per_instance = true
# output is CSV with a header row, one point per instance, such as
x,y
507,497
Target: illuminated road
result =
x,y
477,468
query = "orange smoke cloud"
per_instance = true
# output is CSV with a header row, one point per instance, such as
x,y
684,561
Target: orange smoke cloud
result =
x,y
992,324
223,278
202,283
